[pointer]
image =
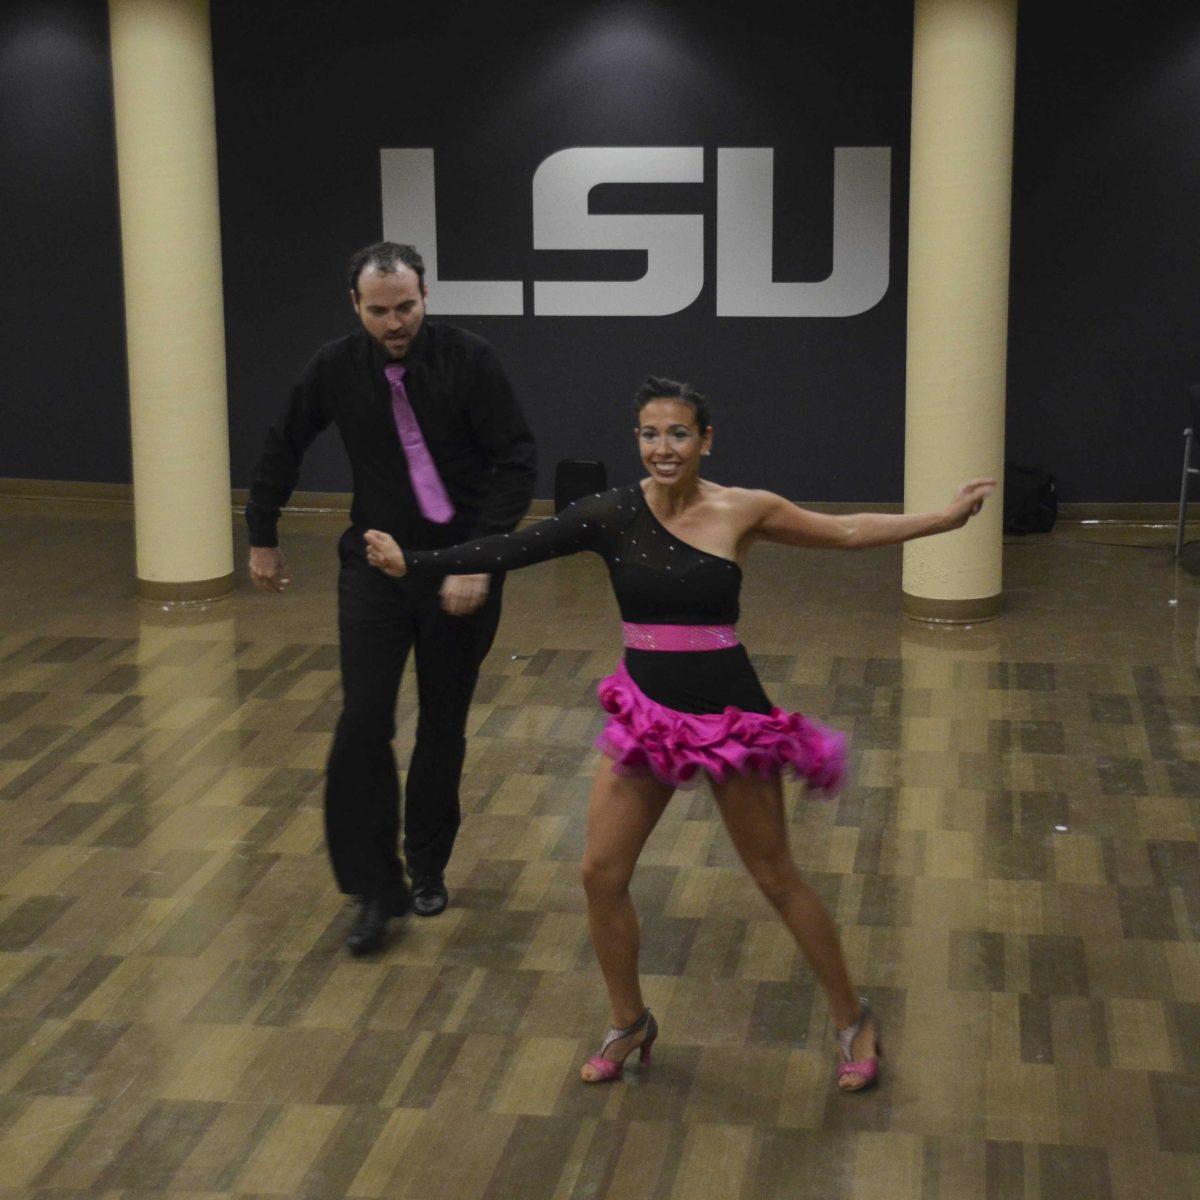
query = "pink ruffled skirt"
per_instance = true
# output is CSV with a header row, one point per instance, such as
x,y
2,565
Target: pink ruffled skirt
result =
x,y
644,737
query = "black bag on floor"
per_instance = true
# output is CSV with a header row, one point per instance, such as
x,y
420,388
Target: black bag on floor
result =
x,y
576,477
1030,500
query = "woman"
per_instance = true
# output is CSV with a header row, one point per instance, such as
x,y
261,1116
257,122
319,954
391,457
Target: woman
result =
x,y
685,701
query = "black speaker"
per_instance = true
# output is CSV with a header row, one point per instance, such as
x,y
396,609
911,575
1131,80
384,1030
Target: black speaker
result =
x,y
575,477
1030,499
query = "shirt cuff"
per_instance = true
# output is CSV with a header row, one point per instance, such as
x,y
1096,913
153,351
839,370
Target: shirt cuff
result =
x,y
263,524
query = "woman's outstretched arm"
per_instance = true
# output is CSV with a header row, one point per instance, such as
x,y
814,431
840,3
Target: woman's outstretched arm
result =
x,y
577,527
778,520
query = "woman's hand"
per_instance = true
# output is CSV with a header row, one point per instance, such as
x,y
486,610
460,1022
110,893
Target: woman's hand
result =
x,y
968,500
464,594
382,552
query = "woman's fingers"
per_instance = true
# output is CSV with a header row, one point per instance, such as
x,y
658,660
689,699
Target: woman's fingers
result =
x,y
968,500
973,493
980,487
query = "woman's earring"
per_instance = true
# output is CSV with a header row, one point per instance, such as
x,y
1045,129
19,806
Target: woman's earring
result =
x,y
706,452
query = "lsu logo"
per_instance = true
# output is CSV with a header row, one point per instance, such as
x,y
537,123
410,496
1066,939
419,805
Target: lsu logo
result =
x,y
673,243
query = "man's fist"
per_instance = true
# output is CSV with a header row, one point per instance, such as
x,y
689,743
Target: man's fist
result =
x,y
268,570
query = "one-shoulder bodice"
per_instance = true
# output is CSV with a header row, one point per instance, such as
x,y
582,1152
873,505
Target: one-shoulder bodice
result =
x,y
657,578
671,711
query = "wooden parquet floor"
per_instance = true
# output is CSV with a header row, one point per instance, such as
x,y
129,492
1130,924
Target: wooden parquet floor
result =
x,y
1014,866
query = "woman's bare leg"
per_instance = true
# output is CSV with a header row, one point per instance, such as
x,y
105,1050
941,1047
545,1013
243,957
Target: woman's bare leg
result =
x,y
622,813
753,812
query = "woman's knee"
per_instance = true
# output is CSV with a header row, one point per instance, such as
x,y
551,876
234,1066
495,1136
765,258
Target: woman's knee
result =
x,y
604,879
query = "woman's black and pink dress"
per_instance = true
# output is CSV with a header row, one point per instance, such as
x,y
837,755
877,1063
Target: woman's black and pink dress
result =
x,y
686,698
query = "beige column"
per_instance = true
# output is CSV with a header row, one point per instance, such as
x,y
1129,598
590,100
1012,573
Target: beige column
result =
x,y
175,332
964,58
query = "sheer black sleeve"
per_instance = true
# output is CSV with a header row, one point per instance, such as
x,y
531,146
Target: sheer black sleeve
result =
x,y
588,524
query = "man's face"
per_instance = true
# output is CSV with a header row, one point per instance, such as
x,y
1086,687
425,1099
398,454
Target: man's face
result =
x,y
391,307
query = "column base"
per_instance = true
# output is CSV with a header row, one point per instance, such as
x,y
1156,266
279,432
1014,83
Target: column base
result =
x,y
193,591
952,612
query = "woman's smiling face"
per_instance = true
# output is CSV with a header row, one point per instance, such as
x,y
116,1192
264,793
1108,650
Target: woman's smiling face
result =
x,y
670,441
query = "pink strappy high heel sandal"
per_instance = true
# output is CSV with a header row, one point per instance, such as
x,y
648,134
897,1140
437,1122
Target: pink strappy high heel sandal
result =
x,y
606,1069
868,1068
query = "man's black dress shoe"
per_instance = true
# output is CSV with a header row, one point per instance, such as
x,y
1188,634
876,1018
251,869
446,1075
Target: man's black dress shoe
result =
x,y
429,895
367,935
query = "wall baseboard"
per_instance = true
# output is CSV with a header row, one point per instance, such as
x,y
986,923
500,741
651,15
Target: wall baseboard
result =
x,y
62,489
1154,513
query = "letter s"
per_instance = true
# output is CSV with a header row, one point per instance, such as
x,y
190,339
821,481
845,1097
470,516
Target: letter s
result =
x,y
674,242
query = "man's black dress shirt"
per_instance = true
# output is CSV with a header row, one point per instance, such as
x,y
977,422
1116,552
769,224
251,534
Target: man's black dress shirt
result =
x,y
469,418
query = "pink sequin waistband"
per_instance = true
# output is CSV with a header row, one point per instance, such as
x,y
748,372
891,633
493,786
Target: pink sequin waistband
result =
x,y
678,637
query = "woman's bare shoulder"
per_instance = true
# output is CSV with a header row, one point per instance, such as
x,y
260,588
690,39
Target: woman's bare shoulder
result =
x,y
742,507
746,501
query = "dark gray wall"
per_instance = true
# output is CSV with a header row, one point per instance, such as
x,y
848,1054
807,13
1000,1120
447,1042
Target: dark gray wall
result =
x,y
809,407
1105,302
1106,249
62,335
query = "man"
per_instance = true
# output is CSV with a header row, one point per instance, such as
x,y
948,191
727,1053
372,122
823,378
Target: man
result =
x,y
440,452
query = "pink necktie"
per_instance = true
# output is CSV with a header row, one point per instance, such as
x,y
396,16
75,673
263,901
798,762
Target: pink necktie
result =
x,y
427,484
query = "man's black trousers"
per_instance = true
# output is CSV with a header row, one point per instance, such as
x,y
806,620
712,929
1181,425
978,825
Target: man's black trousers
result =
x,y
379,620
